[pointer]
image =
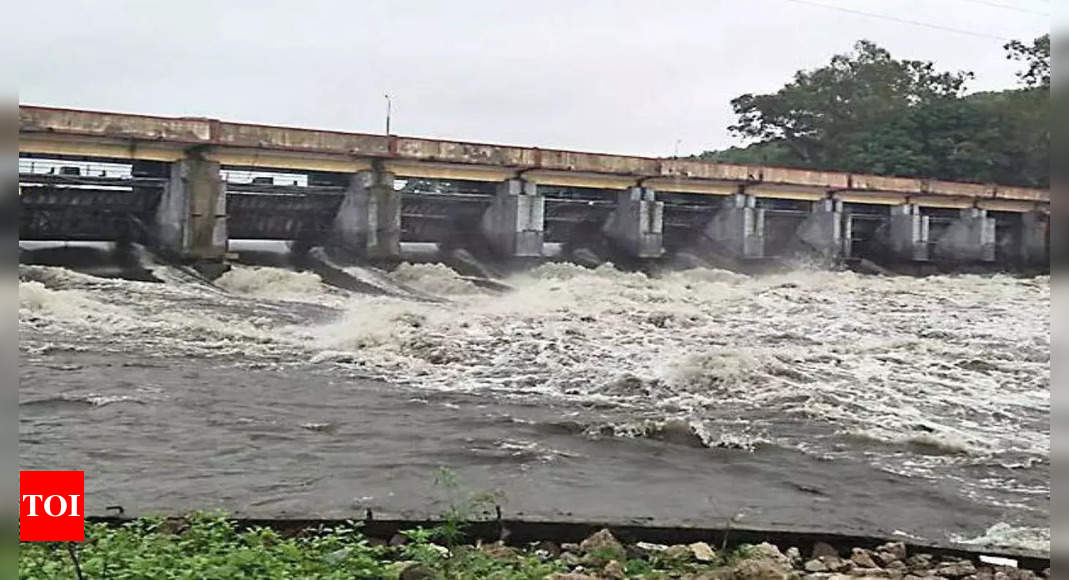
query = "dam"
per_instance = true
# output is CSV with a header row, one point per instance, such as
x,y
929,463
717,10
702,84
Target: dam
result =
x,y
168,183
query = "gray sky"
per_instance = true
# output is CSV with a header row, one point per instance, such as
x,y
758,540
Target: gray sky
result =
x,y
625,76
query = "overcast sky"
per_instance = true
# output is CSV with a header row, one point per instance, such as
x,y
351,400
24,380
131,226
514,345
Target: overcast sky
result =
x,y
624,76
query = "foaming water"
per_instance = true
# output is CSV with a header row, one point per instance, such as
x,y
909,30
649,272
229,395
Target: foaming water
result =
x,y
936,379
433,279
272,282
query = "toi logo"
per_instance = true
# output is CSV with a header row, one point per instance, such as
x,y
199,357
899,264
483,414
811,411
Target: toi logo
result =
x,y
51,506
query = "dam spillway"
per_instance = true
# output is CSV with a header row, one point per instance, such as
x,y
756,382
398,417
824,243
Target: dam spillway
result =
x,y
362,196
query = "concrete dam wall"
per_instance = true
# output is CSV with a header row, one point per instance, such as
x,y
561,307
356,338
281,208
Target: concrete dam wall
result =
x,y
362,196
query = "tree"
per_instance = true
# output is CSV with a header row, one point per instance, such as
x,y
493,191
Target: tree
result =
x,y
867,112
821,113
1036,56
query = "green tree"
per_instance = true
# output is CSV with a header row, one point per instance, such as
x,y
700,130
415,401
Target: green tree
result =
x,y
820,114
1036,56
867,112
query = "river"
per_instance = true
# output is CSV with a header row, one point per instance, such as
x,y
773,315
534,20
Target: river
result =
x,y
917,407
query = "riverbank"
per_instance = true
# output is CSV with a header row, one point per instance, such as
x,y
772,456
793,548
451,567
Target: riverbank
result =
x,y
212,546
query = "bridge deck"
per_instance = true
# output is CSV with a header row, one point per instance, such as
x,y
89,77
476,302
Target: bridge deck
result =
x,y
89,134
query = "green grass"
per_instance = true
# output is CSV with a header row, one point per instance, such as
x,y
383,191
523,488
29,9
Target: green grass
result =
x,y
210,546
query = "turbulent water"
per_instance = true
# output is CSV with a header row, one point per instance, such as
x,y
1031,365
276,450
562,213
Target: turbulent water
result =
x,y
814,399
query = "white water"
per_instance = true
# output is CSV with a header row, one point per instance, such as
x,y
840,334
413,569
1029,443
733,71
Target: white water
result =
x,y
941,371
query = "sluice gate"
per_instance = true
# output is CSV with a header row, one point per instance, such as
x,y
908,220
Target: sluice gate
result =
x,y
188,186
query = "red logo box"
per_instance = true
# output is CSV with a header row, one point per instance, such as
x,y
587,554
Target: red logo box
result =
x,y
51,506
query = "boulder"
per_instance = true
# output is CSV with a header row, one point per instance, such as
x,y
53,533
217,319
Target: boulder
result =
x,y
766,551
546,550
613,570
763,562
837,564
570,576
499,551
676,553
717,574
895,549
647,548
957,569
815,565
759,569
794,555
863,558
702,552
917,561
602,545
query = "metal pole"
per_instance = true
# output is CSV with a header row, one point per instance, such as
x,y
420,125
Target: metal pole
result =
x,y
389,107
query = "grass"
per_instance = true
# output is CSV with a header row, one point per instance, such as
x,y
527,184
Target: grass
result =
x,y
210,546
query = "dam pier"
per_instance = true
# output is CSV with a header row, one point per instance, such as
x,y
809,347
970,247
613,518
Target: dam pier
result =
x,y
168,183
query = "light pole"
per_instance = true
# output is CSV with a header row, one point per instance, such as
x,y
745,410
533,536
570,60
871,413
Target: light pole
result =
x,y
389,108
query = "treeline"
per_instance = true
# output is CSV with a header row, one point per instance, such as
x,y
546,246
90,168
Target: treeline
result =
x,y
867,112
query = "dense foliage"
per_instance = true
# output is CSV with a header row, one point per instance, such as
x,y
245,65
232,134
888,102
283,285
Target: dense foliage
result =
x,y
867,112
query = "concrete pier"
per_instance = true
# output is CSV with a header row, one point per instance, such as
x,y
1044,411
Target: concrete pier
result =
x,y
1033,239
335,190
636,225
514,222
822,231
908,233
368,222
738,228
970,238
190,220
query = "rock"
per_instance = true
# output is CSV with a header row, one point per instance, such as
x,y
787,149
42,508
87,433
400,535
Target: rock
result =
x,y
613,570
897,565
821,549
650,548
815,565
546,550
570,576
398,540
602,545
766,551
759,569
569,547
717,574
895,549
837,564
417,572
676,553
794,555
957,569
918,561
863,558
499,551
702,552
871,573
